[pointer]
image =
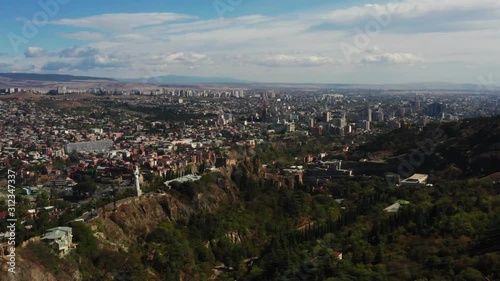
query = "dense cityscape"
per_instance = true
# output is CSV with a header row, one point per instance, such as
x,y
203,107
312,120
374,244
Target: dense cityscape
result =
x,y
232,140
78,157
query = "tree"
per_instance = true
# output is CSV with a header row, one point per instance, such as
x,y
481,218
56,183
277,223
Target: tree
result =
x,y
42,199
58,163
73,157
42,221
85,239
471,274
85,189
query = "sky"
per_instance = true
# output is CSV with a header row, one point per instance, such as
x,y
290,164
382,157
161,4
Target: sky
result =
x,y
304,41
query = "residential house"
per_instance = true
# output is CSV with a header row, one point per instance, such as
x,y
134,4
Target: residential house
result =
x,y
59,238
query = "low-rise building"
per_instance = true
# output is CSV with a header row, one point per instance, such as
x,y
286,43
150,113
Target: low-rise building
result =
x,y
396,206
415,180
59,238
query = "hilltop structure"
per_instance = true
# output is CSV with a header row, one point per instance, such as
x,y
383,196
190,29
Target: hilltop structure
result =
x,y
137,184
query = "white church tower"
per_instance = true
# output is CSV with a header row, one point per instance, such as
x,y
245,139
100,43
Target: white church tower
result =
x,y
137,175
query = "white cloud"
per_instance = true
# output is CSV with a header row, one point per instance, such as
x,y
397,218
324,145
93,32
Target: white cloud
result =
x,y
78,52
129,37
288,48
5,66
55,66
293,60
101,61
84,36
82,59
183,59
203,25
35,52
411,9
394,58
92,62
122,21
23,68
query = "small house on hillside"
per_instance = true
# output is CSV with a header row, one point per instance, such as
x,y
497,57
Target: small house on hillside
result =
x,y
59,238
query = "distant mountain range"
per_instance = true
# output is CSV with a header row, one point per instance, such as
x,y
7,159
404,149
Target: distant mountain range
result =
x,y
51,77
177,79
22,80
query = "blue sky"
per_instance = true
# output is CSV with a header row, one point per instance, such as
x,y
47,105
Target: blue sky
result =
x,y
315,41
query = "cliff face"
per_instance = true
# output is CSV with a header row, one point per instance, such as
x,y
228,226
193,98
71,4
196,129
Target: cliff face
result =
x,y
137,217
25,270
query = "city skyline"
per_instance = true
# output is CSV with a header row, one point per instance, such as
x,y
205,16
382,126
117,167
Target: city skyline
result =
x,y
284,41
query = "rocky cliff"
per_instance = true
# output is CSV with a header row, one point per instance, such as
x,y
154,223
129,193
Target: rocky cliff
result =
x,y
136,217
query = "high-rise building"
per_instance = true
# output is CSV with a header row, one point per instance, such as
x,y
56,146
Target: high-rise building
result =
x,y
435,109
61,90
339,119
365,114
327,116
365,125
264,112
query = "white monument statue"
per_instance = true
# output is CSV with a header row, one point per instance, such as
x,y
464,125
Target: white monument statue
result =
x,y
137,174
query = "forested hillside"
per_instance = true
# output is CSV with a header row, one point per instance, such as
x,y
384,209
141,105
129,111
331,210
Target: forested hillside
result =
x,y
469,148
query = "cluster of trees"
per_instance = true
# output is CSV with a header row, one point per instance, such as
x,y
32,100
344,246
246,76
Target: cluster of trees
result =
x,y
285,154
164,113
447,233
85,189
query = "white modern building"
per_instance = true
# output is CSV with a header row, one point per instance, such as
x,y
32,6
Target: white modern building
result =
x,y
415,180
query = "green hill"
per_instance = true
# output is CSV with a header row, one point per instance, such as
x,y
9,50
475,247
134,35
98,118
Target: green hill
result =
x,y
471,148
